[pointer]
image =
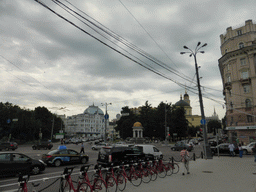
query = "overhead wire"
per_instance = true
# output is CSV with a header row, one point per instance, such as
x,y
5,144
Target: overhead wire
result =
x,y
152,70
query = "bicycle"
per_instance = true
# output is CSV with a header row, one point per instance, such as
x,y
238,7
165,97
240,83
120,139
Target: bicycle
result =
x,y
98,184
130,173
152,170
174,166
114,182
66,183
160,168
23,181
145,173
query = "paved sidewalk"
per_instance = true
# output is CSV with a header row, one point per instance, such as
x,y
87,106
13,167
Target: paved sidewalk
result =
x,y
220,174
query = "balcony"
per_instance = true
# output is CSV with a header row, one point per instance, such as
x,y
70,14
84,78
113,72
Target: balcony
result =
x,y
245,81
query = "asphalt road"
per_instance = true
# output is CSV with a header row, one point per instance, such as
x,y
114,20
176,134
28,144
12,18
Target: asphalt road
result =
x,y
55,172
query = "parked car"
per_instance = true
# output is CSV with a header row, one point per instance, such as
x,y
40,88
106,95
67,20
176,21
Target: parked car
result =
x,y
248,148
8,146
180,145
150,149
223,149
42,145
64,156
99,146
12,163
117,154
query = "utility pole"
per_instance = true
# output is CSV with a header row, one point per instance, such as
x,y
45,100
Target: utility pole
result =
x,y
207,150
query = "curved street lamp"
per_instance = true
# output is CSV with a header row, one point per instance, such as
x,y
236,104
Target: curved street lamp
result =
x,y
207,150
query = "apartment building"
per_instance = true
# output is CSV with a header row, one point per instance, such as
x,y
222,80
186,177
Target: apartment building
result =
x,y
238,72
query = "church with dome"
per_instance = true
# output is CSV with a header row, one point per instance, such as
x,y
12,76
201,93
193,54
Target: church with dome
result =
x,y
194,120
90,123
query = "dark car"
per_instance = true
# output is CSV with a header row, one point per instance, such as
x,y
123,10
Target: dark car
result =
x,y
42,145
64,156
8,146
223,149
12,163
117,154
180,145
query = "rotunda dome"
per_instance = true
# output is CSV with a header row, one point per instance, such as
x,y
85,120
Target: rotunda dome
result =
x,y
137,124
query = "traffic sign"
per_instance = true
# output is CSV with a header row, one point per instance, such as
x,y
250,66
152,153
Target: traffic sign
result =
x,y
106,116
8,121
203,121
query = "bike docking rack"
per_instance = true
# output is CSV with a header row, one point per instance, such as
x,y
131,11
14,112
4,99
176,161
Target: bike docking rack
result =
x,y
48,184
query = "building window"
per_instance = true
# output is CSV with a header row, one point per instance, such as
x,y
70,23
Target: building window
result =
x,y
228,78
241,45
244,74
231,105
228,67
248,103
249,118
246,88
243,61
239,32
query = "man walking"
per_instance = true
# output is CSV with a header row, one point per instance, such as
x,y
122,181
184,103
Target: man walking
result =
x,y
184,158
231,149
82,148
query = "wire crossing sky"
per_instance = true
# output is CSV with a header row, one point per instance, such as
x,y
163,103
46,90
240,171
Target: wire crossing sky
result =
x,y
125,52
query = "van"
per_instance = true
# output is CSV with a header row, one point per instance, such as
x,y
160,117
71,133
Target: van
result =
x,y
150,150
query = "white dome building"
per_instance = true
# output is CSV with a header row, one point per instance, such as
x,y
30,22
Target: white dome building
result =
x,y
90,123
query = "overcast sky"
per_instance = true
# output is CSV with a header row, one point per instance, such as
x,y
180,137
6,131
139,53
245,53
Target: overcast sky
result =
x,y
47,61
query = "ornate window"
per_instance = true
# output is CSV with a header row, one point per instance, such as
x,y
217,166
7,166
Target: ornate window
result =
x,y
246,88
248,103
241,45
239,32
249,118
243,61
244,74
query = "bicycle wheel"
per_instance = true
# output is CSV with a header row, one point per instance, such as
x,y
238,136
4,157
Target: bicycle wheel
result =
x,y
153,173
169,170
84,187
146,176
99,185
136,178
121,181
175,168
161,171
64,186
20,190
111,184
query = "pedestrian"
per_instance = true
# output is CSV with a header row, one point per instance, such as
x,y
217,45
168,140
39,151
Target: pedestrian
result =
x,y
231,149
184,158
82,148
254,152
240,150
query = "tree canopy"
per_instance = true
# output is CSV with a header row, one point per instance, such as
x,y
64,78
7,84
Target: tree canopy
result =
x,y
24,124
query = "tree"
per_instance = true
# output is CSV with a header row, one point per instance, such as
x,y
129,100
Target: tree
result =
x,y
180,123
212,125
125,123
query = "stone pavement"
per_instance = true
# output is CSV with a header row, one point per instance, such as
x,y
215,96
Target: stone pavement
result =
x,y
220,174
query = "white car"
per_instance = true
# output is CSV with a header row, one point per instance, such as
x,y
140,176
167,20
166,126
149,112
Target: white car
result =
x,y
99,146
248,148
150,149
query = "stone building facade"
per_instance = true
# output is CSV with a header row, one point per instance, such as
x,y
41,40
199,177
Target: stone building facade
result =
x,y
238,71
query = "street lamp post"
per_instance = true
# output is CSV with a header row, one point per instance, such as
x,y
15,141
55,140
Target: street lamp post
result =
x,y
53,120
106,119
207,150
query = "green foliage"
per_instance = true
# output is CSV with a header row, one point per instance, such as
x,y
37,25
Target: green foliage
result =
x,y
25,124
153,121
212,125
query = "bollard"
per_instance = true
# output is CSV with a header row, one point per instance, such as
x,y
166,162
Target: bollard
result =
x,y
194,156
202,155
